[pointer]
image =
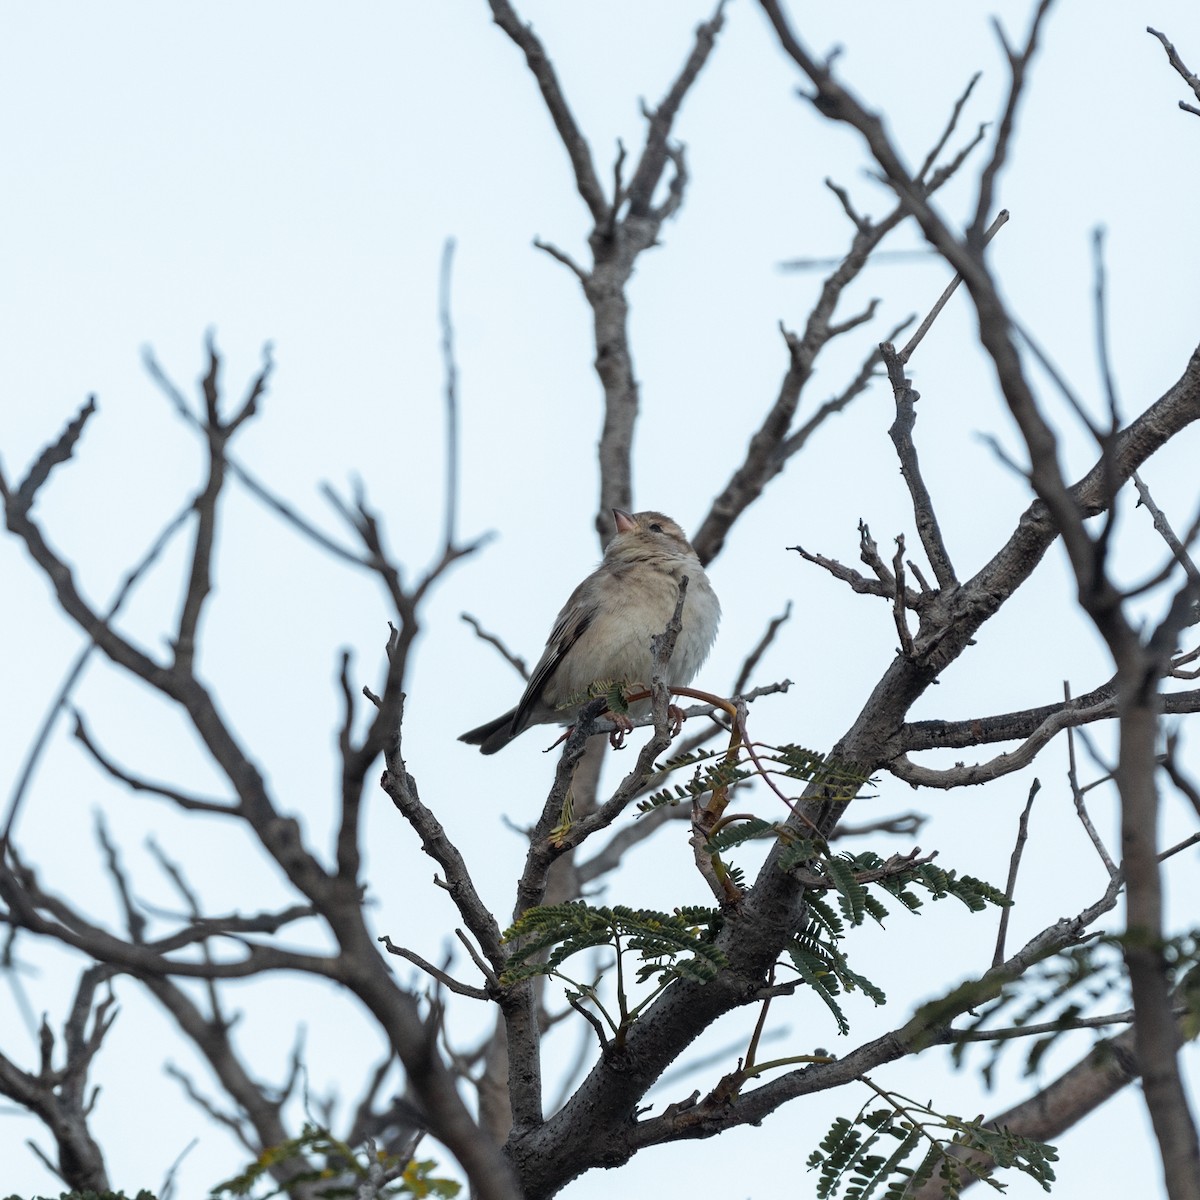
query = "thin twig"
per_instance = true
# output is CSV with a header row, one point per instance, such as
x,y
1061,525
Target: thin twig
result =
x,y
1177,548
484,969
1013,866
1101,311
1176,775
450,367
183,799
71,678
755,655
922,329
901,433
447,981
1018,65
898,600
1019,1031
1077,794
514,660
1189,77
951,125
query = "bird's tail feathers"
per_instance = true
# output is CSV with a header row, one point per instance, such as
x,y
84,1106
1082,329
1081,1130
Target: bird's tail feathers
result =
x,y
493,736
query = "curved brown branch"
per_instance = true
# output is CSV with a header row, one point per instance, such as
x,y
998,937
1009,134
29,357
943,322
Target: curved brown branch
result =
x,y
900,432
199,583
858,582
401,788
515,661
446,980
1018,63
136,784
1002,764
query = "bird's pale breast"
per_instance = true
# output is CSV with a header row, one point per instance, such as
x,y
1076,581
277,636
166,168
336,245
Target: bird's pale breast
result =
x,y
639,606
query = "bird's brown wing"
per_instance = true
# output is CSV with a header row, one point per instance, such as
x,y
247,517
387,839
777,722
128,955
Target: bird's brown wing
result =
x,y
568,629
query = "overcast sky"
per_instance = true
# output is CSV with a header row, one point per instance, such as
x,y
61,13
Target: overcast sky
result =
x,y
287,173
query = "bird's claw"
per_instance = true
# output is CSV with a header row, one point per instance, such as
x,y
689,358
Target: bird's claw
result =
x,y
624,725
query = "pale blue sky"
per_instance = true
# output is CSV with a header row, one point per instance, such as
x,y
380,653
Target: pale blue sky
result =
x,y
287,172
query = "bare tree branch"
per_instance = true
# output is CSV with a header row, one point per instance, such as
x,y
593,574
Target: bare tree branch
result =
x,y
1139,667
1188,77
900,432
190,803
1059,1105
1003,764
1078,796
450,368
586,180
755,656
1018,62
58,1096
130,581
616,240
448,981
517,663
922,329
1013,867
1178,548
929,1026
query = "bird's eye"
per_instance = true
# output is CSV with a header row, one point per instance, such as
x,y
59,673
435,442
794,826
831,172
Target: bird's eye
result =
x,y
656,528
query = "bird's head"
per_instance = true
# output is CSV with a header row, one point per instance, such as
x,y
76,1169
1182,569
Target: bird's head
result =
x,y
644,533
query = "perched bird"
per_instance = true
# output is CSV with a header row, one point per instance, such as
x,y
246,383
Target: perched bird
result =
x,y
603,632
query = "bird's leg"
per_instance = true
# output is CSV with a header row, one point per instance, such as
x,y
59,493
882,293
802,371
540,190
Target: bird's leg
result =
x,y
624,725
616,739
558,741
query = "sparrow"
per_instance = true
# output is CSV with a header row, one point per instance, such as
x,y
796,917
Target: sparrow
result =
x,y
602,634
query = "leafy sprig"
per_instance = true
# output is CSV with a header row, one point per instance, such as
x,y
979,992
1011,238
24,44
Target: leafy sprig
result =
x,y
893,1150
665,946
337,1170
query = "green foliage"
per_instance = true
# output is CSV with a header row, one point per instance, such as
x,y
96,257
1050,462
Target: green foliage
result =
x,y
1058,991
345,1171
797,851
801,851
851,894
738,833
656,938
613,691
667,947
88,1195
713,772
682,945
899,878
812,767
815,955
904,1144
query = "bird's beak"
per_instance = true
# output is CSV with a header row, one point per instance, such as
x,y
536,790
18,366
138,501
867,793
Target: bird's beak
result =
x,y
624,520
